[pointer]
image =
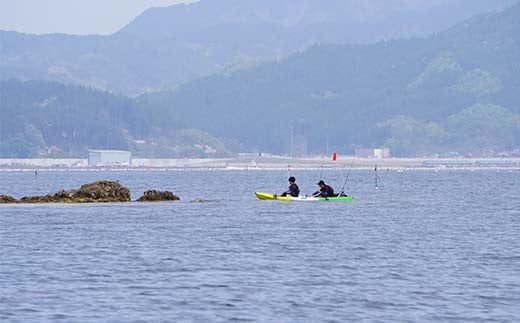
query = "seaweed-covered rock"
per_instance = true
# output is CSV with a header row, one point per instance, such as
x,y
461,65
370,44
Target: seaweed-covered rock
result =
x,y
7,199
39,199
157,196
104,191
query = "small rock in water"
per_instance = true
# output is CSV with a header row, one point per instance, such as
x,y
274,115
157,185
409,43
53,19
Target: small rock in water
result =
x,y
157,196
200,201
7,199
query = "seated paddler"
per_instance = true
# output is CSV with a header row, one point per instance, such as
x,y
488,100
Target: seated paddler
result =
x,y
293,189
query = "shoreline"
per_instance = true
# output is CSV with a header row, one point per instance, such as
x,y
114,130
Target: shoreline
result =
x,y
264,163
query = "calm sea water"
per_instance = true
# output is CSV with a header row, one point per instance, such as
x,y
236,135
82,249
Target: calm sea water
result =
x,y
426,246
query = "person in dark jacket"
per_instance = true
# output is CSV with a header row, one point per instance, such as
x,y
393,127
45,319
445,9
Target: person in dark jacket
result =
x,y
293,190
324,191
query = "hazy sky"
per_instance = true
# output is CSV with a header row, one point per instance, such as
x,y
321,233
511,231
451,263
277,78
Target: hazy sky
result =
x,y
73,16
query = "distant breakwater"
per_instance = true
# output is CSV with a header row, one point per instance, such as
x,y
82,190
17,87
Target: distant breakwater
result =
x,y
252,162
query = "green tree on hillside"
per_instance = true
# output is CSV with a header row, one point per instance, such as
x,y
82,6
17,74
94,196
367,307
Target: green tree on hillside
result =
x,y
407,136
484,125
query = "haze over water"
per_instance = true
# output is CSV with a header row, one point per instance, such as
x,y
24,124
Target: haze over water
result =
x,y
426,246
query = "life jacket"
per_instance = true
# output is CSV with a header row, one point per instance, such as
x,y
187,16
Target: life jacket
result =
x,y
327,190
294,189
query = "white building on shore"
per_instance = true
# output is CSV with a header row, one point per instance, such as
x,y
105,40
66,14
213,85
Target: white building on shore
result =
x,y
373,152
109,158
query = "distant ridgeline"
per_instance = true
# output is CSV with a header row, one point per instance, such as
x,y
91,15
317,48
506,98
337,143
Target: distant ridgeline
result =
x,y
44,119
456,91
165,47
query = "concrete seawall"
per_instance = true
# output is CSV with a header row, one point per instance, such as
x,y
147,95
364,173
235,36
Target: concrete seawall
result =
x,y
271,162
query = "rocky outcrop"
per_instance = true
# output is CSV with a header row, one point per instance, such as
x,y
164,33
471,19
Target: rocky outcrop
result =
x,y
157,196
7,199
97,192
104,191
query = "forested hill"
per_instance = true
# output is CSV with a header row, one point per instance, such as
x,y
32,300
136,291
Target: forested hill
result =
x,y
165,47
455,91
45,119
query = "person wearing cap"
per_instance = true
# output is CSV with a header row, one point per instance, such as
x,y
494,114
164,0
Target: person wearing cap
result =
x,y
293,190
324,191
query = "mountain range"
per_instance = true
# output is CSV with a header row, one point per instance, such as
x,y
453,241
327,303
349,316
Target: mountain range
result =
x,y
404,94
166,47
454,91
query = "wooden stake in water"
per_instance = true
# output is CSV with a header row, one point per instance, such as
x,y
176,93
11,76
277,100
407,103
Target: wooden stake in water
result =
x,y
376,177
